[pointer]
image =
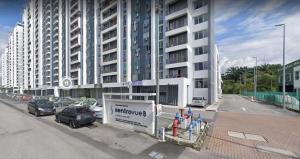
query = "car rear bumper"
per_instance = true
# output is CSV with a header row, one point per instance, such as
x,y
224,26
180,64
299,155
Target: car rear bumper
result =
x,y
86,121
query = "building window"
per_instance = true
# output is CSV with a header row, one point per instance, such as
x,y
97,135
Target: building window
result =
x,y
201,66
201,50
297,75
201,34
199,3
201,83
200,19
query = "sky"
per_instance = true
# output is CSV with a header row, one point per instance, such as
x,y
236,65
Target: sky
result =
x,y
10,14
243,28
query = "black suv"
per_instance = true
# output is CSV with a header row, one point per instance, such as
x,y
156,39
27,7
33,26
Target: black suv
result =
x,y
75,116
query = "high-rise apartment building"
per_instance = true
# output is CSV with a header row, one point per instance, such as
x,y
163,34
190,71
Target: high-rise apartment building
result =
x,y
12,60
113,46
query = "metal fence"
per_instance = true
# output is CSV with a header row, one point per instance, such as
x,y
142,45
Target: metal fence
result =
x,y
291,98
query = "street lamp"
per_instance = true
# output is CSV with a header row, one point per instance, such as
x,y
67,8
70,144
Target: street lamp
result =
x,y
283,69
157,9
255,77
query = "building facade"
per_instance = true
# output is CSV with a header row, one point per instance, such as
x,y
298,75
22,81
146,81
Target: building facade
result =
x,y
113,46
291,76
12,61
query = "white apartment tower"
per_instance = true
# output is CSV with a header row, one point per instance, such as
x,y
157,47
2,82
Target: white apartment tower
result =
x,y
113,46
12,61
132,33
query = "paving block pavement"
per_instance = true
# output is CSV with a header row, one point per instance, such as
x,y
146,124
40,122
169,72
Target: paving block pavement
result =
x,y
279,132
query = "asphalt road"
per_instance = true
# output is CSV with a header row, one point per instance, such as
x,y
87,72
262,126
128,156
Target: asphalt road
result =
x,y
25,137
236,103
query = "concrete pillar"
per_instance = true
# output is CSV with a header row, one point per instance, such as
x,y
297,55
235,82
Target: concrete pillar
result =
x,y
56,92
182,94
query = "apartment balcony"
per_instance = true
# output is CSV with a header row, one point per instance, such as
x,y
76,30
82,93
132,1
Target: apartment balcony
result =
x,y
109,40
109,28
74,70
55,61
74,9
107,4
177,73
176,47
55,22
109,47
104,63
110,17
73,3
75,58
75,42
75,20
176,64
177,14
199,11
75,51
110,57
109,73
178,30
199,42
199,27
75,37
74,28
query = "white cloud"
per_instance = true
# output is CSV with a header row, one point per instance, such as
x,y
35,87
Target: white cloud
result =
x,y
232,9
260,38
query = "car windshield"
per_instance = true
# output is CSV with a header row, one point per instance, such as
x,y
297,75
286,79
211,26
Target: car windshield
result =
x,y
197,98
44,103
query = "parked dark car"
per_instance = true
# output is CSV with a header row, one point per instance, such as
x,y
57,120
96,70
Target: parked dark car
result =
x,y
41,107
75,116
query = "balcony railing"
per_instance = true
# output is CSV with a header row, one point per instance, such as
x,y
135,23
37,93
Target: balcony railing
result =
x,y
177,6
177,60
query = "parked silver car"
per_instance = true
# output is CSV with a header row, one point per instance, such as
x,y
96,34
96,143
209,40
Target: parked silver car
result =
x,y
199,101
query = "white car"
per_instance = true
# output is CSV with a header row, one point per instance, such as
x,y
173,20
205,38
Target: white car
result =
x,y
92,104
199,101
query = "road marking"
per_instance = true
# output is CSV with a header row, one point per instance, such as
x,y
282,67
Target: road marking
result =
x,y
255,137
276,150
236,134
243,108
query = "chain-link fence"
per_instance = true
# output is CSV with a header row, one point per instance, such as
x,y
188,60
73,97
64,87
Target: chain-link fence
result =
x,y
291,98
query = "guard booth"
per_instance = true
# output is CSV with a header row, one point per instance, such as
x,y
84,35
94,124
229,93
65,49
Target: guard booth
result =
x,y
119,109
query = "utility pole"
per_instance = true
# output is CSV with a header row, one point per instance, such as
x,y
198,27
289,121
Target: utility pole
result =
x,y
283,67
157,9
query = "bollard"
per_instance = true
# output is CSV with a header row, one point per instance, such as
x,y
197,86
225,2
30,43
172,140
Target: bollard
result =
x,y
190,132
162,134
197,128
191,126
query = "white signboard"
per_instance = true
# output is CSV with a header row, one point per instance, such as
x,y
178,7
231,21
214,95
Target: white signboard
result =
x,y
133,114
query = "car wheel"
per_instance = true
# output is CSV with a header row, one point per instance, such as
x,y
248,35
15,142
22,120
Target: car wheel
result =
x,y
72,124
57,119
36,113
